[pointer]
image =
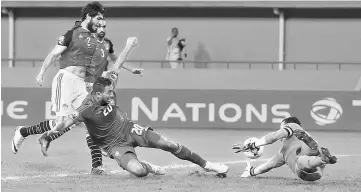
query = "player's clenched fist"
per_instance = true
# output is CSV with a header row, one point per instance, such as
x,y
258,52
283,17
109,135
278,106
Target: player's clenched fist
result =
x,y
40,79
132,41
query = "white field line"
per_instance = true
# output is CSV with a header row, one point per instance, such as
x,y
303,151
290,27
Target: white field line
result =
x,y
175,166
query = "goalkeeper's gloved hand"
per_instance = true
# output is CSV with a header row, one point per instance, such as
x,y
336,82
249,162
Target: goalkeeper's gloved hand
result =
x,y
240,147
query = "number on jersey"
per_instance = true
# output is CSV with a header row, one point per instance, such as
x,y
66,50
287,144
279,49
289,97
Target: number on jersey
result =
x,y
88,38
137,129
107,110
101,50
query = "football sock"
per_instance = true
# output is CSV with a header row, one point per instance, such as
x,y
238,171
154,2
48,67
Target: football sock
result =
x,y
95,152
185,154
39,128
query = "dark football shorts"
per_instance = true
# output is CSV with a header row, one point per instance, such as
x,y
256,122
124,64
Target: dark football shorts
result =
x,y
136,137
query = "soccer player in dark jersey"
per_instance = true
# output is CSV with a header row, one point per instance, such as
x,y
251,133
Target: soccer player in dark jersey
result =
x,y
76,48
114,132
103,51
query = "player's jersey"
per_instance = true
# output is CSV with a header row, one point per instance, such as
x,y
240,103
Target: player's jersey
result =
x,y
291,144
100,60
81,45
106,124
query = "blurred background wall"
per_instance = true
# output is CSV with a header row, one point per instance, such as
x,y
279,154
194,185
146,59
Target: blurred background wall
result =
x,y
311,34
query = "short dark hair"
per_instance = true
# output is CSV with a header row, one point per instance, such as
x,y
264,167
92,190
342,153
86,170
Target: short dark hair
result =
x,y
292,120
100,84
92,8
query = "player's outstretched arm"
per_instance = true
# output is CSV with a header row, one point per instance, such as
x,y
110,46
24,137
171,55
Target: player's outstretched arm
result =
x,y
114,58
131,42
272,137
49,60
113,74
265,140
63,125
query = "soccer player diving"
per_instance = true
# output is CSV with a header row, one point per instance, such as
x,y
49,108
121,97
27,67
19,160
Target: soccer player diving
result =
x,y
300,152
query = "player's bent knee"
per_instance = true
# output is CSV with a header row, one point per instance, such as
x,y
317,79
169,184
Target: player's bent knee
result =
x,y
130,162
136,168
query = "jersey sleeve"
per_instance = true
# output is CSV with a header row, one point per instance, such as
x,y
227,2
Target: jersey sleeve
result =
x,y
65,39
111,48
289,129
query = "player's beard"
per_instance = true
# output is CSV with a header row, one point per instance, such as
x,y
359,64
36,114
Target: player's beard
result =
x,y
101,35
105,100
90,26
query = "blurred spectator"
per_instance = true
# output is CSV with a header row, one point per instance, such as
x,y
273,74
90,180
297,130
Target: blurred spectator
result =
x,y
175,49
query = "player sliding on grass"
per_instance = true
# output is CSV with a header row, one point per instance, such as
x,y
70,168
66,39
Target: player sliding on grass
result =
x,y
115,133
300,152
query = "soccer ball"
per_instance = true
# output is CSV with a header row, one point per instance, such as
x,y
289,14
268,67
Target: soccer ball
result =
x,y
254,154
